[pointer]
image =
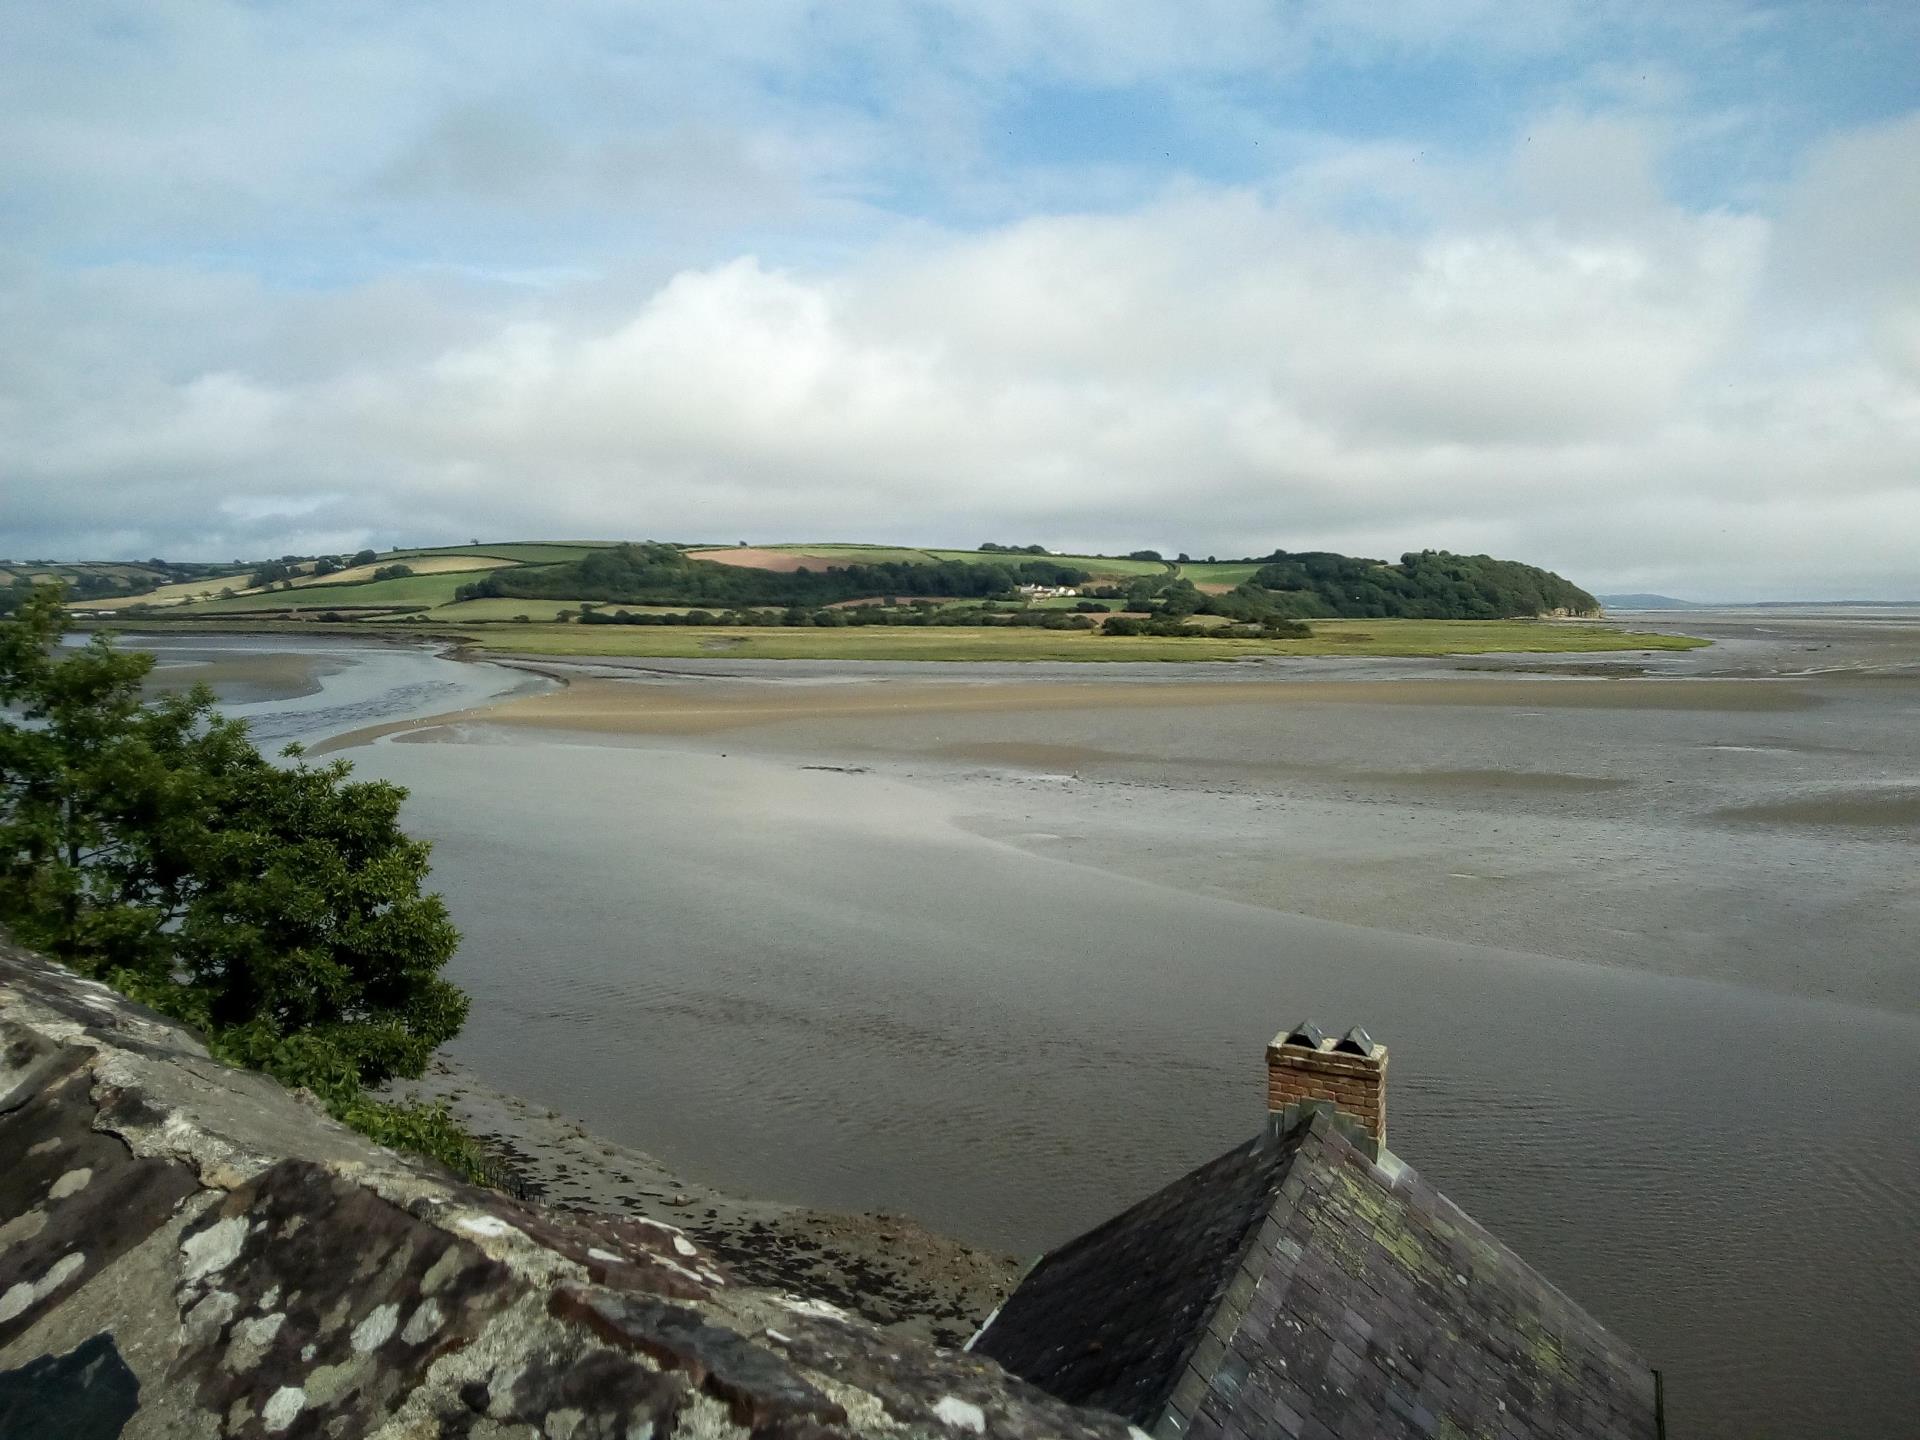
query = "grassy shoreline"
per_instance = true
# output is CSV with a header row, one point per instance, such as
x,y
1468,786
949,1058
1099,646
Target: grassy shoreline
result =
x,y
1384,638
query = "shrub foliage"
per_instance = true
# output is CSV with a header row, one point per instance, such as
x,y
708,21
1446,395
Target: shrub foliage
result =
x,y
278,907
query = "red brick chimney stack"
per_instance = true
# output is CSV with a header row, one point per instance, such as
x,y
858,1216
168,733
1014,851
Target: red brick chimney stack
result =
x,y
1308,1068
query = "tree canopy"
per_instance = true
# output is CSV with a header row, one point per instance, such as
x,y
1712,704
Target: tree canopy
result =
x,y
664,574
1425,585
279,907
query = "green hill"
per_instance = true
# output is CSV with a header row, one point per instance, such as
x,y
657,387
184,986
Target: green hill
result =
x,y
547,580
1425,585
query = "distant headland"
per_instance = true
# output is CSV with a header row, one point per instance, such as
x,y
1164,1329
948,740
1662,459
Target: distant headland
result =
x,y
856,600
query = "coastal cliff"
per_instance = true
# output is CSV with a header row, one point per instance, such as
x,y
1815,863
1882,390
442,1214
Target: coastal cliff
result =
x,y
191,1250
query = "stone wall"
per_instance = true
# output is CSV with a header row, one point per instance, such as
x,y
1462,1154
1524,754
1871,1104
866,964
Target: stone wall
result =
x,y
188,1250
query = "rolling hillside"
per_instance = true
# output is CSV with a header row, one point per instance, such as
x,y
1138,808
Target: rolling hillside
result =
x,y
544,581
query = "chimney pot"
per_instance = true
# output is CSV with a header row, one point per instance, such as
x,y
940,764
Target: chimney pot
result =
x,y
1355,1042
1306,1035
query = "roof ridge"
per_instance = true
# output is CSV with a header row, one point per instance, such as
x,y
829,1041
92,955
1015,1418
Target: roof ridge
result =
x,y
1229,1307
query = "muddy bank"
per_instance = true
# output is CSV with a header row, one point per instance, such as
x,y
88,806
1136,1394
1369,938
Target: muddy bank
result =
x,y
242,678
887,1268
1895,809
644,703
621,706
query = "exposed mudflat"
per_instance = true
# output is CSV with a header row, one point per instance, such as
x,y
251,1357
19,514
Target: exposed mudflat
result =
x,y
888,1268
1897,810
241,677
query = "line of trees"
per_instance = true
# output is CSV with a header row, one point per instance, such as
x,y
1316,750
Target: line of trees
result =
x,y
923,613
1087,616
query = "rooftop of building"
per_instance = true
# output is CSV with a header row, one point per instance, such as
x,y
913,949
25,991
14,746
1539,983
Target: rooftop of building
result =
x,y
1308,1283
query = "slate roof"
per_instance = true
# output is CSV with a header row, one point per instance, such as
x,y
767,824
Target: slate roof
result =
x,y
1295,1287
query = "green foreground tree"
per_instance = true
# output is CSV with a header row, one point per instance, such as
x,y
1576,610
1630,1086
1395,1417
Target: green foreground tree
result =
x,y
148,843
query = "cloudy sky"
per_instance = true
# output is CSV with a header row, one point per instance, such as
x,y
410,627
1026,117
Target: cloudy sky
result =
x,y
1631,290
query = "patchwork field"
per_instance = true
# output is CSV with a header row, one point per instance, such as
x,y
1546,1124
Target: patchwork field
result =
x,y
419,564
440,571
417,591
178,594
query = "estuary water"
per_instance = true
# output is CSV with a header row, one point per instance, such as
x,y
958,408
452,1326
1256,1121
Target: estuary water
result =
x,y
1001,971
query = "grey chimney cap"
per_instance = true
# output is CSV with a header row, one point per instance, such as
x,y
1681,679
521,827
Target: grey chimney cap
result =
x,y
1307,1035
1355,1042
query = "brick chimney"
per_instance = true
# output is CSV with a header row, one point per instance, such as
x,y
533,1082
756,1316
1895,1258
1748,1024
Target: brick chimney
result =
x,y
1309,1069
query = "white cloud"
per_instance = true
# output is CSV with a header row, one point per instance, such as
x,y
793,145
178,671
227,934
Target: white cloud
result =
x,y
1217,371
448,274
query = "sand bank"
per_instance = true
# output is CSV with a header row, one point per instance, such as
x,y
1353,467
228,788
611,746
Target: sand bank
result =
x,y
244,677
626,707
1896,808
679,704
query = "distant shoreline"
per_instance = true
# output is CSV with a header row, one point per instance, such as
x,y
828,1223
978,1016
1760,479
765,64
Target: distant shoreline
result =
x,y
970,644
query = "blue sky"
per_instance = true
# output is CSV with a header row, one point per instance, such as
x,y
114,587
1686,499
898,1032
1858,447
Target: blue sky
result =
x,y
1627,289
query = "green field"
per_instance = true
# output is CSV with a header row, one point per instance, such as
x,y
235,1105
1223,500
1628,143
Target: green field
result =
x,y
177,594
1092,564
421,590
849,553
536,552
506,607
1067,602
1220,573
945,642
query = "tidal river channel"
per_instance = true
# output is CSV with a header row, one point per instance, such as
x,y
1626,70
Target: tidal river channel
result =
x,y
978,946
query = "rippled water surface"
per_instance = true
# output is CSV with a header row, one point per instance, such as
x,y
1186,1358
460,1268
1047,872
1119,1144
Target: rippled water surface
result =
x,y
841,988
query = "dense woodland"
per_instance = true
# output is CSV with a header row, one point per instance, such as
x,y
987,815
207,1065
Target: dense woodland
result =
x,y
663,574
1425,585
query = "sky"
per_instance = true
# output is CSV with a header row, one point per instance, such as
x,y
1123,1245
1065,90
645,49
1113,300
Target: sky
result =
x,y
1629,290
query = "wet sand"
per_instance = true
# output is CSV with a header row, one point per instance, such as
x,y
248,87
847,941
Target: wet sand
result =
x,y
242,677
1732,820
1897,810
594,705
